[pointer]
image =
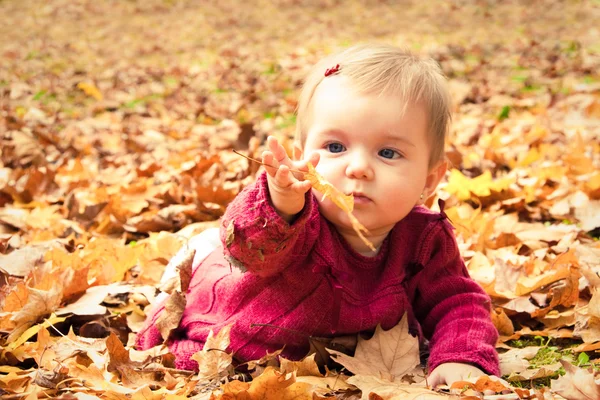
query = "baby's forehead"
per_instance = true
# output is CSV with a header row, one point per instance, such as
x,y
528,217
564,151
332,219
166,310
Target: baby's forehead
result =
x,y
341,86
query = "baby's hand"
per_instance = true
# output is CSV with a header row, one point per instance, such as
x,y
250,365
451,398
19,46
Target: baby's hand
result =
x,y
286,188
448,373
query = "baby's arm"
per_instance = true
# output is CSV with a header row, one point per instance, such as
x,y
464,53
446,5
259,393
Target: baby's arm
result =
x,y
273,222
453,311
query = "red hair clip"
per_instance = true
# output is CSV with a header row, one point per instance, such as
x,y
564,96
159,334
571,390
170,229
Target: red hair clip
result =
x,y
333,70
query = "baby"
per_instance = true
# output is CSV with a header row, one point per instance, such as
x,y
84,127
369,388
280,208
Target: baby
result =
x,y
373,120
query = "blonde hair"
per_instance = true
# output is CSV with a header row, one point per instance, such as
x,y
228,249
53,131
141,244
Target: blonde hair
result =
x,y
384,69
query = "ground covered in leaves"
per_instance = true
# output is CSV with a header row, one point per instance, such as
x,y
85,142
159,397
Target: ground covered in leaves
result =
x,y
117,121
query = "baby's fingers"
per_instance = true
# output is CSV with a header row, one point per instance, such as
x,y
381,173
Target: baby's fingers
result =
x,y
283,177
301,187
277,150
314,159
270,163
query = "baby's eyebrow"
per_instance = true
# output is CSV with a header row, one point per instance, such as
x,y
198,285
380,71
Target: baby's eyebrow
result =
x,y
396,138
332,132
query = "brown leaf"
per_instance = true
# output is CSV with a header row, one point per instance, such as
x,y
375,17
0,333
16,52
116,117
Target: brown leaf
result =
x,y
171,315
483,383
20,262
305,367
40,303
214,359
576,384
270,385
181,262
502,323
388,354
119,356
375,388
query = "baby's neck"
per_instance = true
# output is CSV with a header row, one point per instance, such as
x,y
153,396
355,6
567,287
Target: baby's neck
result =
x,y
361,247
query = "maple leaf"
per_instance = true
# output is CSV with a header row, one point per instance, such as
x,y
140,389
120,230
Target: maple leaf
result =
x,y
576,384
343,201
305,367
214,359
481,186
39,304
388,354
270,385
375,388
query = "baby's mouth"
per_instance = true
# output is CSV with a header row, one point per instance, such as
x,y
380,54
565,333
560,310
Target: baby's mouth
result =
x,y
360,198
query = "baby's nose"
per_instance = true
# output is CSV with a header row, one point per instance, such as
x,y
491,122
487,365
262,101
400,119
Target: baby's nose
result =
x,y
359,168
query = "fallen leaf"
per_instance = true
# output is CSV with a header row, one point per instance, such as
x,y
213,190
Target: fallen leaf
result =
x,y
90,89
39,304
486,383
576,384
534,373
386,390
20,262
270,385
171,315
214,359
387,355
305,367
29,333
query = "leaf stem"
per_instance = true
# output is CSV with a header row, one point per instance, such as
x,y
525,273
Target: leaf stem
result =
x,y
262,163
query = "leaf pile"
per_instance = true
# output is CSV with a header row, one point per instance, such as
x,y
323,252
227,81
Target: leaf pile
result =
x,y
117,121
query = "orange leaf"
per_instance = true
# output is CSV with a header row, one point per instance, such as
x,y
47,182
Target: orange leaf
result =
x,y
343,201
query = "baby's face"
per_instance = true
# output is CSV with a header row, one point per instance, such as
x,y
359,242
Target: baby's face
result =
x,y
368,148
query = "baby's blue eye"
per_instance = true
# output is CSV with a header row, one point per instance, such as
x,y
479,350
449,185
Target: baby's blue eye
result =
x,y
389,153
335,147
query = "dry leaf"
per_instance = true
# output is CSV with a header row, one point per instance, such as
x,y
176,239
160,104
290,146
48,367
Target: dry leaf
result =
x,y
29,333
344,202
305,367
387,390
90,89
214,359
171,315
39,304
576,384
515,360
387,355
270,385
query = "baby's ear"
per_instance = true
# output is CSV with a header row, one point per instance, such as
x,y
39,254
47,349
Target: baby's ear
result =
x,y
436,173
297,151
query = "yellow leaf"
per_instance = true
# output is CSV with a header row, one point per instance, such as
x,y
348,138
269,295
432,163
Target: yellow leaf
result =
x,y
90,89
481,186
53,319
458,184
343,201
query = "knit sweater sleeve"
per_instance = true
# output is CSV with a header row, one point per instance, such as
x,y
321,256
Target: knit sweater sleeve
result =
x,y
257,239
452,308
149,336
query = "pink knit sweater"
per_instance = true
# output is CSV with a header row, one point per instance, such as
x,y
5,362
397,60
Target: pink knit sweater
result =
x,y
305,277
